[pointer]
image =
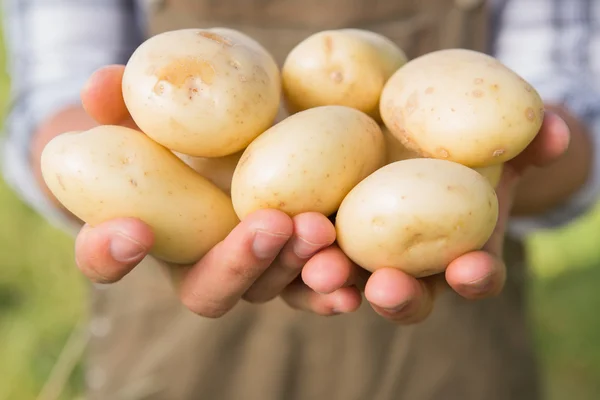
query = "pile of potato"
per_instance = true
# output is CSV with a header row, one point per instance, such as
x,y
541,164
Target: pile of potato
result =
x,y
405,154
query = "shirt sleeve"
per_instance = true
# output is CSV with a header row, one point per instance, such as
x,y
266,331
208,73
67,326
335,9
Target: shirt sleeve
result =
x,y
52,47
551,44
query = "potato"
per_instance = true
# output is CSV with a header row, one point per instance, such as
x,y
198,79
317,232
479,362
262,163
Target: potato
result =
x,y
308,162
493,173
340,67
202,92
111,172
218,170
396,151
416,215
462,106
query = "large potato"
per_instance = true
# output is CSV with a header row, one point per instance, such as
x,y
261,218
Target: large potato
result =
x,y
218,170
111,172
416,215
396,151
308,162
202,92
340,67
462,106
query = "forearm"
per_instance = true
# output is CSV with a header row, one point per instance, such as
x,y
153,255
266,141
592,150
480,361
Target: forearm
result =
x,y
542,189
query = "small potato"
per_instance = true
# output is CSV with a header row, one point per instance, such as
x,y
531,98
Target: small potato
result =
x,y
493,173
396,151
218,170
308,162
202,92
416,215
346,67
111,172
462,106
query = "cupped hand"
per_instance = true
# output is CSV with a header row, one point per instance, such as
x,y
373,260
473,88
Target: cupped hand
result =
x,y
475,275
261,258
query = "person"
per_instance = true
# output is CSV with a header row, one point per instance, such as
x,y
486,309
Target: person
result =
x,y
276,310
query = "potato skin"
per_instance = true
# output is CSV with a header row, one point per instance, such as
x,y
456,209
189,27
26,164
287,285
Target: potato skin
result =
x,y
112,172
308,162
218,170
462,106
346,67
396,151
202,92
416,215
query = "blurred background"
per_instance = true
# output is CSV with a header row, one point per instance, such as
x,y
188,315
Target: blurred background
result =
x,y
43,303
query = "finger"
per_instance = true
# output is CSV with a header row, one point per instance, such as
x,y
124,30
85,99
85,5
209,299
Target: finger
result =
x,y
109,251
476,275
330,270
549,144
217,282
312,232
400,297
299,296
102,96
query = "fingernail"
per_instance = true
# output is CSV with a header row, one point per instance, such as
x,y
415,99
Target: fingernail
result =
x,y
125,249
305,249
481,286
397,309
267,245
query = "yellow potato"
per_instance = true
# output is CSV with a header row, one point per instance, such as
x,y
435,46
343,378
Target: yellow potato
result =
x,y
416,215
346,67
396,151
308,162
492,173
202,92
111,172
218,170
462,106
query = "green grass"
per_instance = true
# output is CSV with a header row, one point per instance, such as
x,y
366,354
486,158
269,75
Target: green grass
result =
x,y
42,297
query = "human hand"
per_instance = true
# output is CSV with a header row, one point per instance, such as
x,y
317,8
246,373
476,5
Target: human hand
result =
x,y
256,262
476,275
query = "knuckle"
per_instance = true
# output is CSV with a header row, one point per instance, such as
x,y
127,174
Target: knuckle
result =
x,y
258,296
202,307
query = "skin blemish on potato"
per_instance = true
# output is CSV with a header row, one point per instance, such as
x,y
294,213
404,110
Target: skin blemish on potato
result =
x,y
60,181
328,46
442,152
133,182
530,114
336,76
180,71
412,103
498,152
477,93
378,222
478,81
159,88
127,160
235,64
216,38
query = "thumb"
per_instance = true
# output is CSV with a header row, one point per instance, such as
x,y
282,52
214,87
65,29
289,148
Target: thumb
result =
x,y
109,251
102,97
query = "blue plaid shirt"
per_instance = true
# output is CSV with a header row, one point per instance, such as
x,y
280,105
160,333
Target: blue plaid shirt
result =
x,y
54,45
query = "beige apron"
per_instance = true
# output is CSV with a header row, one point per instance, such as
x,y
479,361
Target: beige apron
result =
x,y
147,346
